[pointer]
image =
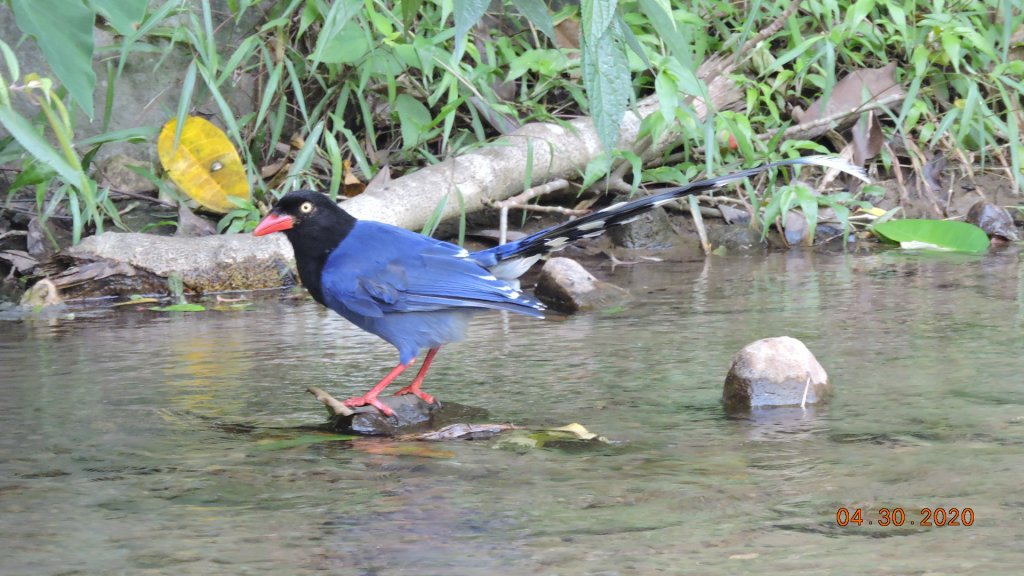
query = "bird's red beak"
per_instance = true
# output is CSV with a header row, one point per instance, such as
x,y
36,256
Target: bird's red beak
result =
x,y
273,223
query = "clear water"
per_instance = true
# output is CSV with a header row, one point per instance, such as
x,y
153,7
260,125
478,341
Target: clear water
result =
x,y
135,442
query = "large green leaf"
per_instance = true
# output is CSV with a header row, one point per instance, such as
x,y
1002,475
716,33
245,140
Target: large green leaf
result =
x,y
467,14
63,31
340,13
414,119
123,15
536,11
934,234
605,69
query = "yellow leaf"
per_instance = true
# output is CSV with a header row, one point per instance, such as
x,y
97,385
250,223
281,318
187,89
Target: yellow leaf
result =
x,y
205,164
353,186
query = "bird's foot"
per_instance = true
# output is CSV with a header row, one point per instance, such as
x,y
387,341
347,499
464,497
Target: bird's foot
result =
x,y
415,391
372,401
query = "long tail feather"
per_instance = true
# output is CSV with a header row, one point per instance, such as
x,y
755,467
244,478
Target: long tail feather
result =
x,y
592,225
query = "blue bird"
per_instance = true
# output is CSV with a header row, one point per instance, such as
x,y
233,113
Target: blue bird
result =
x,y
418,293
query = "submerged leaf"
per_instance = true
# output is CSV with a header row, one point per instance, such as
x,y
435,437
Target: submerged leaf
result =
x,y
183,307
420,450
305,440
205,165
135,300
946,235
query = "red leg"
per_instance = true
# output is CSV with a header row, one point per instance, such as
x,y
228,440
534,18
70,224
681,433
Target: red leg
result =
x,y
371,396
414,388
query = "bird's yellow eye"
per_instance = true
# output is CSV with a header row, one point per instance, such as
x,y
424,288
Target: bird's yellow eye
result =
x,y
306,207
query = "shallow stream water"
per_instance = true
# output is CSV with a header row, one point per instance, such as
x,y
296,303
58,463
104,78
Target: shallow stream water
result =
x,y
136,442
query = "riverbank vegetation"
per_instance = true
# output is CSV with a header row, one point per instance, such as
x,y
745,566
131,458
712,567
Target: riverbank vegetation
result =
x,y
348,94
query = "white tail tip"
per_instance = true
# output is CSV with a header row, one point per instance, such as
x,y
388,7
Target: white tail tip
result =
x,y
837,163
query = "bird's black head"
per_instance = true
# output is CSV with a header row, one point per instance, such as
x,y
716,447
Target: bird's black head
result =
x,y
314,225
305,213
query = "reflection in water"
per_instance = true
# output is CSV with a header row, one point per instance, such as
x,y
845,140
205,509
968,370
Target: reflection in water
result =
x,y
138,443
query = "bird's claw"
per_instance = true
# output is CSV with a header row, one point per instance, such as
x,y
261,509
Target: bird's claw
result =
x,y
415,391
372,401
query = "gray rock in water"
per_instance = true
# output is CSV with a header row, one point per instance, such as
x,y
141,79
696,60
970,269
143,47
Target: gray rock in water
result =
x,y
566,286
774,372
994,220
411,413
205,264
735,238
651,231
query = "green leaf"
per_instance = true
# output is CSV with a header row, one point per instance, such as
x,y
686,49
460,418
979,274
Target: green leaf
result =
x,y
304,159
12,67
951,45
414,119
347,46
467,14
633,42
858,12
34,173
340,13
123,15
598,16
34,143
435,217
596,169
409,10
536,11
63,31
659,14
605,70
947,235
809,206
183,307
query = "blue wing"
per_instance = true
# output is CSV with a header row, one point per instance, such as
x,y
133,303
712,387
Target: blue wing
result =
x,y
381,269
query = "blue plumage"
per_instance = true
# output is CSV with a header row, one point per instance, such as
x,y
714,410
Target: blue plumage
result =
x,y
416,292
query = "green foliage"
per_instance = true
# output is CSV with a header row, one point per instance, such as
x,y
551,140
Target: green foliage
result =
x,y
415,81
63,29
75,187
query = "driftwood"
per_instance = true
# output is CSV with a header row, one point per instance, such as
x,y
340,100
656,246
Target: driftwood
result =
x,y
496,171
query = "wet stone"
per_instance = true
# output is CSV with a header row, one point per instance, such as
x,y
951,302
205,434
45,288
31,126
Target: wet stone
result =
x,y
994,220
774,372
735,238
410,414
566,286
651,231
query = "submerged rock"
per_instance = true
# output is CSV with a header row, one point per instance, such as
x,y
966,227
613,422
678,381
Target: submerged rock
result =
x,y
735,238
411,413
566,286
774,372
994,220
205,264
